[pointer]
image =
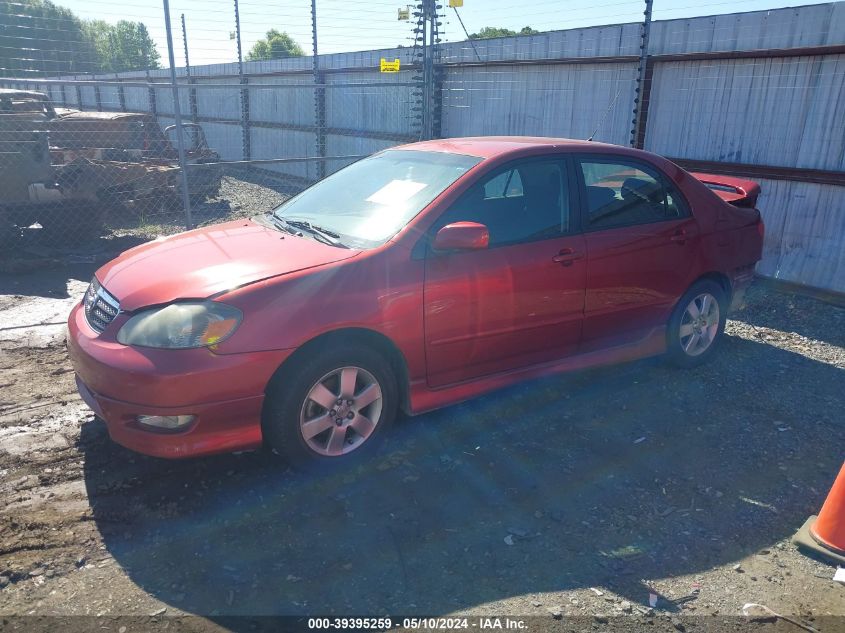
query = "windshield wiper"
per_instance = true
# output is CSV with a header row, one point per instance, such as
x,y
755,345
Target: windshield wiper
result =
x,y
323,235
282,225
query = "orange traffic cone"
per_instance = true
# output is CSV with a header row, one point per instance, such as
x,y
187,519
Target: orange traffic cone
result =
x,y
825,534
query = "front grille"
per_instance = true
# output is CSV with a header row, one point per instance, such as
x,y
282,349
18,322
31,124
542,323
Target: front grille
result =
x,y
100,306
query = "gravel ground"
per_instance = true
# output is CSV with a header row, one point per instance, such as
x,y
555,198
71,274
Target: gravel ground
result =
x,y
575,496
242,194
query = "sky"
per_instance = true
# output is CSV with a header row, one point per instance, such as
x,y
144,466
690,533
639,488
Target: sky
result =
x,y
349,25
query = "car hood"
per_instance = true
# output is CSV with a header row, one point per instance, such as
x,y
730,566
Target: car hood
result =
x,y
204,262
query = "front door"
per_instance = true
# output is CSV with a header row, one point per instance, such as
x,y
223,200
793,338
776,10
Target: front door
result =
x,y
519,302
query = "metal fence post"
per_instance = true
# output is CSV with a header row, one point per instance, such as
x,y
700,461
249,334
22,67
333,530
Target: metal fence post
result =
x,y
642,91
245,133
428,68
437,71
78,93
418,57
319,95
426,39
192,93
151,93
121,95
177,114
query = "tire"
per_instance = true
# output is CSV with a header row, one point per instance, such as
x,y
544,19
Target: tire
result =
x,y
291,413
690,341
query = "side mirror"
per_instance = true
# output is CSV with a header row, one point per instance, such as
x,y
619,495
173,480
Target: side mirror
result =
x,y
462,236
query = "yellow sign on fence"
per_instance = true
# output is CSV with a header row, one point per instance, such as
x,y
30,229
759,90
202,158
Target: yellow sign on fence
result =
x,y
456,4
389,67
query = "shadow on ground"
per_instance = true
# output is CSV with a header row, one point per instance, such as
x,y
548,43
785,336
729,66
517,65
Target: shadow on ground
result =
x,y
602,478
31,253
50,281
29,268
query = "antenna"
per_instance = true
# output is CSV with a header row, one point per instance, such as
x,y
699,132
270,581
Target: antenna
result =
x,y
604,116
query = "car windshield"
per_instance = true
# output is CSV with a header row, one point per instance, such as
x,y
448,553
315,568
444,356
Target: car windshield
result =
x,y
368,202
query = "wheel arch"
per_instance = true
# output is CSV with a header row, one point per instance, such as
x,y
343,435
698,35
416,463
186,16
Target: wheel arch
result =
x,y
715,276
371,338
720,278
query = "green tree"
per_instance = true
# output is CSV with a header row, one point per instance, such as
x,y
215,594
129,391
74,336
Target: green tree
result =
x,y
276,45
39,38
494,31
122,46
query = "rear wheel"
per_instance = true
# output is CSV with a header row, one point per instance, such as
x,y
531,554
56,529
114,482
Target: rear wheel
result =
x,y
697,324
332,408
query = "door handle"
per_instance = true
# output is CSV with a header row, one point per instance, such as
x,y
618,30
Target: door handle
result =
x,y
566,257
679,237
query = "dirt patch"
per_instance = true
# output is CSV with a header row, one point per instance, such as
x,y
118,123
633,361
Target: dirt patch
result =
x,y
579,494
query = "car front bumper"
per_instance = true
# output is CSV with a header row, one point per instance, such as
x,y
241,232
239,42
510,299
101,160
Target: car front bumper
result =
x,y
225,392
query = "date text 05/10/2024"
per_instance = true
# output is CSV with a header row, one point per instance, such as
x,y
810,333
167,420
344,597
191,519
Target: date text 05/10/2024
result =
x,y
412,624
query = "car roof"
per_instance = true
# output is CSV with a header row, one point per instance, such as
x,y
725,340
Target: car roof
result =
x,y
490,146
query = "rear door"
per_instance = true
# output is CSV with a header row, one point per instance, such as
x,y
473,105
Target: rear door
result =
x,y
642,244
520,301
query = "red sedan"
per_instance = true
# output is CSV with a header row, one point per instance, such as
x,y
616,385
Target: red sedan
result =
x,y
416,278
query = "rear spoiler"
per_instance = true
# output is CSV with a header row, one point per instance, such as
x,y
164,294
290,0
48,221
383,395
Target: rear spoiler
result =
x,y
735,191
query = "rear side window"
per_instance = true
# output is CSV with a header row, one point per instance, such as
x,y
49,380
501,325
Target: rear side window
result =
x,y
619,193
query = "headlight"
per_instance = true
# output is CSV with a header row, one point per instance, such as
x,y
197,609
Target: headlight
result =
x,y
181,325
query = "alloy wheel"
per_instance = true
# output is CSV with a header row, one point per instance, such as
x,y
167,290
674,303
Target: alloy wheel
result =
x,y
341,411
699,324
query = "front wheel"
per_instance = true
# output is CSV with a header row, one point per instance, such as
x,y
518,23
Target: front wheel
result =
x,y
332,408
697,324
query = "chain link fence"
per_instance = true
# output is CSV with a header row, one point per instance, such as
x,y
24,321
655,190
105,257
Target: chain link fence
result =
x,y
90,155
138,154
89,136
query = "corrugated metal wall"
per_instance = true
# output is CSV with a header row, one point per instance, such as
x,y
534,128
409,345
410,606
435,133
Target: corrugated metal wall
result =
x,y
773,110
805,233
779,111
794,27
556,100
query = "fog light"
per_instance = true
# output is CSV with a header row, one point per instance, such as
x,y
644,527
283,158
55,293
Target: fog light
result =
x,y
168,422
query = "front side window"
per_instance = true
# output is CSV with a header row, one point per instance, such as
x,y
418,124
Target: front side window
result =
x,y
621,194
521,203
368,202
